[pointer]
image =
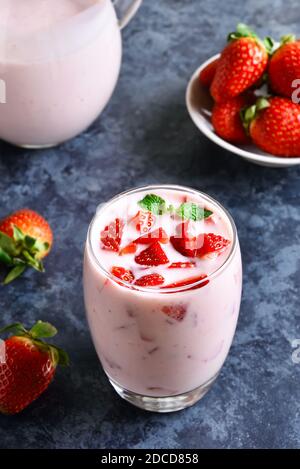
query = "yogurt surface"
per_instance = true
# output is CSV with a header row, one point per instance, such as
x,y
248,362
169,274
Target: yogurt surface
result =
x,y
127,210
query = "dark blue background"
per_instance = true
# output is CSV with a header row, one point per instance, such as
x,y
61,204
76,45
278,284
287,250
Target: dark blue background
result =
x,y
145,136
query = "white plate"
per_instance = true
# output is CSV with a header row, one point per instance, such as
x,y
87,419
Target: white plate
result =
x,y
200,103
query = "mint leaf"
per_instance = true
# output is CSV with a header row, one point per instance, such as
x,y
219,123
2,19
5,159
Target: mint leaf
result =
x,y
171,209
153,203
191,211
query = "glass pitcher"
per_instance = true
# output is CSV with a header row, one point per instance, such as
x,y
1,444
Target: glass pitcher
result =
x,y
59,64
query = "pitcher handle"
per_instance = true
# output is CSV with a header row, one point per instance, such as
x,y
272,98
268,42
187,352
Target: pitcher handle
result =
x,y
129,10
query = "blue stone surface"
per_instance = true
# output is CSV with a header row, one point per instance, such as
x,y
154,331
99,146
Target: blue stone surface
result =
x,y
146,136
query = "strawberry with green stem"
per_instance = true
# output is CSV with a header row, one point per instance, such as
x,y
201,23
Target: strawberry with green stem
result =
x,y
25,239
157,235
274,126
29,365
242,63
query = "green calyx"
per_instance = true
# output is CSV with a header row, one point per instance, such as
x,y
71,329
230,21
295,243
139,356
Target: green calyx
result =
x,y
248,114
19,252
41,330
287,38
284,40
269,44
242,30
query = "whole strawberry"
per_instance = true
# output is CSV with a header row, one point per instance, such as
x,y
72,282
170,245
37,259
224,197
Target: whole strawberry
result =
x,y
241,65
25,239
274,126
226,119
29,365
284,67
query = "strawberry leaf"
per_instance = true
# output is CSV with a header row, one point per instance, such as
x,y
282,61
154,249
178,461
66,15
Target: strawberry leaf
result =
x,y
58,355
33,262
16,329
262,103
153,203
18,234
20,251
5,258
16,272
39,247
8,245
29,242
191,211
43,330
270,44
242,30
248,114
245,31
287,38
63,357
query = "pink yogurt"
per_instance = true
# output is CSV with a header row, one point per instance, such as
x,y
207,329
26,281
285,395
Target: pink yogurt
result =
x,y
142,349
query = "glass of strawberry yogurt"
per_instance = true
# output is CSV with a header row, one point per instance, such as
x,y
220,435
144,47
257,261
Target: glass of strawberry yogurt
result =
x,y
162,288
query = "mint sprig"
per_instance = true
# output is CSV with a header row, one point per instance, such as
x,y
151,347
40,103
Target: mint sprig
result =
x,y
192,211
187,211
153,203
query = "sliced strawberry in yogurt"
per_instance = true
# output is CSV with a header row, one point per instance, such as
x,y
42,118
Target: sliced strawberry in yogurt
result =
x,y
185,240
212,245
189,281
152,256
143,221
182,265
177,312
112,234
129,249
188,247
124,274
151,280
156,235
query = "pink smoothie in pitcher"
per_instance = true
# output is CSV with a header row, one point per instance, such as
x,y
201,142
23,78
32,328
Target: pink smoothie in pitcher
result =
x,y
162,283
60,60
